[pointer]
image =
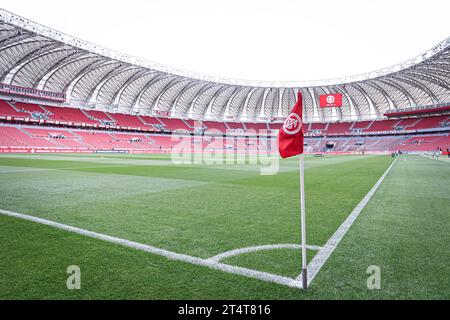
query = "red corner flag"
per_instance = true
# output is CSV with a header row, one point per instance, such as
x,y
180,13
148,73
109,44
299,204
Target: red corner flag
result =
x,y
290,136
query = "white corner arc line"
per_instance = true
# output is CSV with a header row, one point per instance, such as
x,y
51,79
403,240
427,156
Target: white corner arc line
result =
x,y
322,256
269,277
240,251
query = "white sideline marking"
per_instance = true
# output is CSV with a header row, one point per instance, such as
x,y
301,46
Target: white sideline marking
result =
x,y
56,169
269,277
236,252
322,256
26,170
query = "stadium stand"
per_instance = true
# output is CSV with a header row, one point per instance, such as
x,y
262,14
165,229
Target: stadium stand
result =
x,y
7,110
375,99
431,122
214,125
16,137
275,126
339,128
322,127
426,133
360,126
425,143
101,117
147,120
127,120
68,114
383,125
234,125
171,124
28,107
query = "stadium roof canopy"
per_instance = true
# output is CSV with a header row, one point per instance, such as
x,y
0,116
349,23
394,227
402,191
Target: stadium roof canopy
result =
x,y
35,56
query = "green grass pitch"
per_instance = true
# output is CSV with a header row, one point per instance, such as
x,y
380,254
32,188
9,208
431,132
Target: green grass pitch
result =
x,y
204,210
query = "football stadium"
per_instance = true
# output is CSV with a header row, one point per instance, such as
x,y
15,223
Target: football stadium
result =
x,y
126,179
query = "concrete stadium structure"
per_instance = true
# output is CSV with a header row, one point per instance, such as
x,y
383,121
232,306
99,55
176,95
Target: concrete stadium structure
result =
x,y
94,77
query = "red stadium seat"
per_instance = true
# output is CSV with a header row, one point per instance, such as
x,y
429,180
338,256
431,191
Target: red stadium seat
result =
x,y
340,135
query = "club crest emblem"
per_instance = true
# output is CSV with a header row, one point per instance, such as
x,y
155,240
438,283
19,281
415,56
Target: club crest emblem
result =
x,y
330,99
292,124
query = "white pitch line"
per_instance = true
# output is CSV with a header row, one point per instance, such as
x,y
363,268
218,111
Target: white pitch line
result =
x,y
240,251
269,277
26,170
322,256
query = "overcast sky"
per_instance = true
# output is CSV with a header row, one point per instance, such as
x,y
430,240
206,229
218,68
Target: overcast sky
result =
x,y
253,39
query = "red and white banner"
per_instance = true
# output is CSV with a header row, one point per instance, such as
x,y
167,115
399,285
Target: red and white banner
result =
x,y
41,150
161,113
330,100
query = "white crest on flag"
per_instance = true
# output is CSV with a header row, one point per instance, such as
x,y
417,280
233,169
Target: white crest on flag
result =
x,y
330,99
292,124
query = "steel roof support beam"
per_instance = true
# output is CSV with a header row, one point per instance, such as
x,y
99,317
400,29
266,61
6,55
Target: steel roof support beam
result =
x,y
430,77
412,82
188,86
213,98
438,73
390,83
40,84
383,93
116,97
99,81
243,109
152,81
226,106
369,100
35,57
84,72
192,85
352,103
8,74
15,39
164,90
93,97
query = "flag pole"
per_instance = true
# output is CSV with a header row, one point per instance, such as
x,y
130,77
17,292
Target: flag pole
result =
x,y
303,223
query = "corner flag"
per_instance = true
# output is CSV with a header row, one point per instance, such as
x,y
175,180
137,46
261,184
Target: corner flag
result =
x,y
290,143
290,137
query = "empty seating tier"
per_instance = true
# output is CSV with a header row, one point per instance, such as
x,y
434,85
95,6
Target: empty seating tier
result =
x,y
67,131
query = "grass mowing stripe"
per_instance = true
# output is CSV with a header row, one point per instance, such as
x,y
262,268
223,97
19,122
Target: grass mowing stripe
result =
x,y
162,252
229,212
332,192
404,231
56,169
49,164
34,259
202,218
321,258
